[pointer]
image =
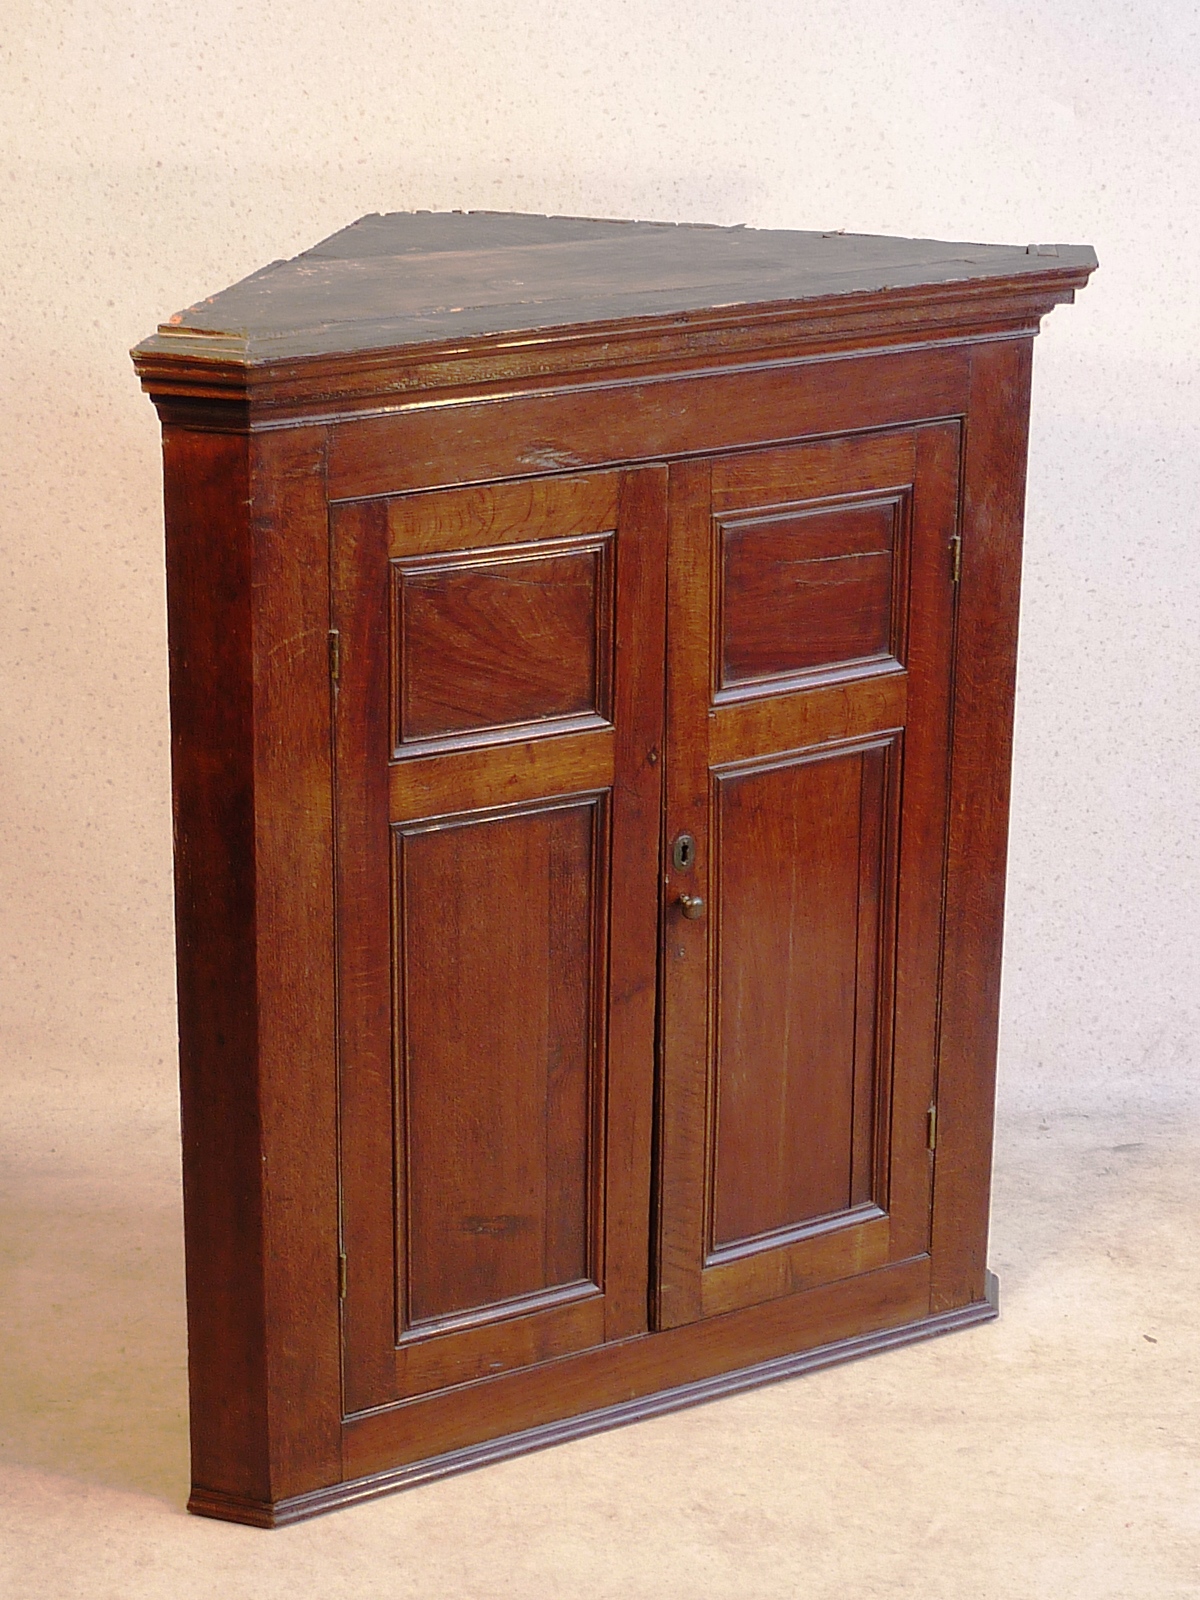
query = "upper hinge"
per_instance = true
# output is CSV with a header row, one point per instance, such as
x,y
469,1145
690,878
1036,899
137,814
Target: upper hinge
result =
x,y
931,1129
956,558
335,656
341,1277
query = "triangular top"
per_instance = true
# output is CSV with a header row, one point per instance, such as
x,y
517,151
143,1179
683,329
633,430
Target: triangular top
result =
x,y
416,278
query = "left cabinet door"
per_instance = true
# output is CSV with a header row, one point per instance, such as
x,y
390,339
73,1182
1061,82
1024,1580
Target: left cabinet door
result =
x,y
498,692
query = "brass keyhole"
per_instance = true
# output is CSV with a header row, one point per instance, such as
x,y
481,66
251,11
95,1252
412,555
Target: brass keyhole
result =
x,y
683,853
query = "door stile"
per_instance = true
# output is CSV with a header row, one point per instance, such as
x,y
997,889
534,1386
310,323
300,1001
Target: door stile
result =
x,y
641,598
684,1134
921,931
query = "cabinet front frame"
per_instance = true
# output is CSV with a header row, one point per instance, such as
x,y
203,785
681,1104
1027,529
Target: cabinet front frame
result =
x,y
281,1260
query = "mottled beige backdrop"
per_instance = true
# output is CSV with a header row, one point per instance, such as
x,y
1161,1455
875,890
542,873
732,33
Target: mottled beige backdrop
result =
x,y
156,152
153,152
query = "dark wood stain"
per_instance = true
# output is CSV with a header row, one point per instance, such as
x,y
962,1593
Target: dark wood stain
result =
x,y
501,551
809,589
411,278
794,1157
495,1045
793,878
498,1040
491,643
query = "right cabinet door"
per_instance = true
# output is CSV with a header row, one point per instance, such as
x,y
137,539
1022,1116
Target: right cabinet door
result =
x,y
811,630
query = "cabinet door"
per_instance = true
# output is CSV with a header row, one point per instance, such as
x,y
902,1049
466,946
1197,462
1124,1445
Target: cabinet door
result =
x,y
811,608
497,729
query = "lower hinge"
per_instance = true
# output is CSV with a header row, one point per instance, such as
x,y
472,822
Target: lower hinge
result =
x,y
931,1128
956,558
341,1277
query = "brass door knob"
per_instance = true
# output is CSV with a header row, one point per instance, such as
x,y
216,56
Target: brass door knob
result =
x,y
691,905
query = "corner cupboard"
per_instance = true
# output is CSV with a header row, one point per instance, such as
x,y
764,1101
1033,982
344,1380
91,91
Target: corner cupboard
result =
x,y
592,653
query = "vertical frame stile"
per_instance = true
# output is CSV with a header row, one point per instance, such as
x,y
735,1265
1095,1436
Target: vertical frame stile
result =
x,y
990,527
870,990
886,977
401,1221
712,1077
639,589
597,1142
365,963
926,764
684,1109
293,879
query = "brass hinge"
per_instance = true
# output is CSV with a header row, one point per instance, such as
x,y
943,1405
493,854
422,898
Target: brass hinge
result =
x,y
956,558
931,1128
341,1277
335,656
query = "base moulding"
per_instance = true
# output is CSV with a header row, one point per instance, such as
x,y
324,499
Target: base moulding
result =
x,y
298,1508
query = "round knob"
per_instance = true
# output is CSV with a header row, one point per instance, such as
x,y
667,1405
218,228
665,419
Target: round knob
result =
x,y
691,905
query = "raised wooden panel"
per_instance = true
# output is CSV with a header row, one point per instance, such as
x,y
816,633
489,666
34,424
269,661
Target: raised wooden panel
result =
x,y
497,1118
502,643
807,589
799,858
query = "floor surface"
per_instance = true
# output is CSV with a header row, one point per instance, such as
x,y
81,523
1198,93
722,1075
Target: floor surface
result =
x,y
1055,1453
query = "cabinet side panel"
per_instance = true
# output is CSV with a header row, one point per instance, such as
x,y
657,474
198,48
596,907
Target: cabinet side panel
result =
x,y
209,557
294,939
985,666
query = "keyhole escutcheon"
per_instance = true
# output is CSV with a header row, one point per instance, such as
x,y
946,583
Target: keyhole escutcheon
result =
x,y
683,853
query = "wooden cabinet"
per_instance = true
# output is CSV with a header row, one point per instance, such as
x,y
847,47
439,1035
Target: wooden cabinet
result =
x,y
591,664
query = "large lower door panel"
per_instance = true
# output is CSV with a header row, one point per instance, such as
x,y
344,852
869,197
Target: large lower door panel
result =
x,y
498,723
809,659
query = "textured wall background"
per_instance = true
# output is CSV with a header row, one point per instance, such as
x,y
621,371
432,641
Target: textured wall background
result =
x,y
156,151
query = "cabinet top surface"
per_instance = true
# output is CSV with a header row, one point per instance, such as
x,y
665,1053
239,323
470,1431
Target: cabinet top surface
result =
x,y
419,278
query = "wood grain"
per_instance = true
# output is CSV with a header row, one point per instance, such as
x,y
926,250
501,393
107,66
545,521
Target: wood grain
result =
x,y
499,1037
502,514
501,642
501,552
493,1014
209,591
254,956
622,422
294,962
506,772
986,648
611,1373
805,590
800,1025
799,863
690,1392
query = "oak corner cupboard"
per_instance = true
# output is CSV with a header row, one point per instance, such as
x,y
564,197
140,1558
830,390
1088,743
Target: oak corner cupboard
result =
x,y
592,652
